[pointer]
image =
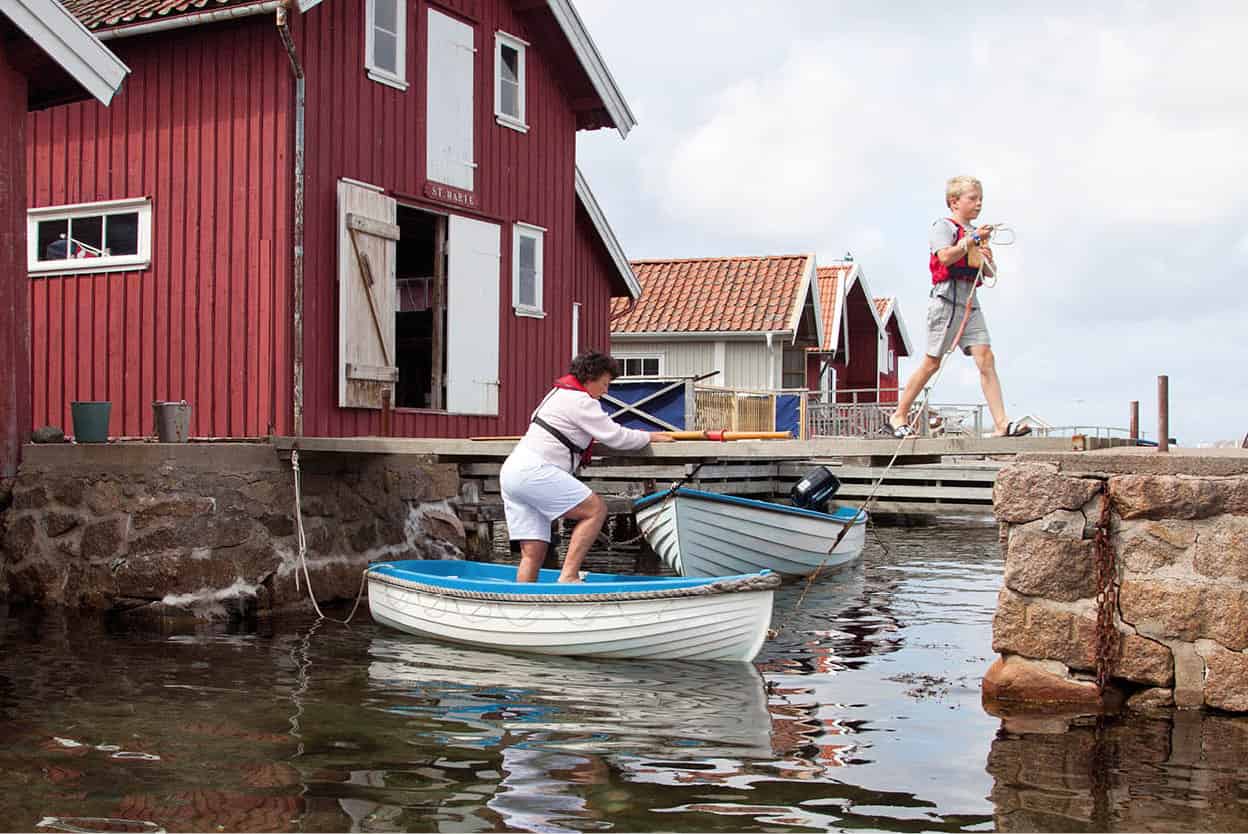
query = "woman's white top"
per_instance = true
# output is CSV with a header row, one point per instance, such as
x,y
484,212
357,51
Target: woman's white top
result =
x,y
580,417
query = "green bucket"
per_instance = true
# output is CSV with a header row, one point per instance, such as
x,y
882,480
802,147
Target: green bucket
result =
x,y
90,421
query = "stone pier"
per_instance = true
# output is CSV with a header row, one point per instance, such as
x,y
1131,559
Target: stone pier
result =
x,y
209,530
1178,530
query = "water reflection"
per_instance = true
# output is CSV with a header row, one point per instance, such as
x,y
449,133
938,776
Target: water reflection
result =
x,y
863,713
1180,771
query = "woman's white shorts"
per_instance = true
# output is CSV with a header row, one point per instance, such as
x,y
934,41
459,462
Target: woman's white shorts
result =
x,y
535,493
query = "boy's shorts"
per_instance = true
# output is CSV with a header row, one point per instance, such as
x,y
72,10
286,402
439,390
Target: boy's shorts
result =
x,y
945,310
535,493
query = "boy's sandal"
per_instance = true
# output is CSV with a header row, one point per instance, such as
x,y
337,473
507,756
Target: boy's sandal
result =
x,y
1013,429
901,431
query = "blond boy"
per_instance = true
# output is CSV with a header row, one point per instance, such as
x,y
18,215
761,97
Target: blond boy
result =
x,y
957,247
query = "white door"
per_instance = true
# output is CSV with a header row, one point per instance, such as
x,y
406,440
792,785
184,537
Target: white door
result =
x,y
449,103
367,236
473,278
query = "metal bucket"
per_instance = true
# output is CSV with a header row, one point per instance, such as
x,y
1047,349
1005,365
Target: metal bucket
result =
x,y
90,421
173,421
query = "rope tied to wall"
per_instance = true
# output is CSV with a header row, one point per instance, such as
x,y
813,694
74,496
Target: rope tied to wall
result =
x,y
301,540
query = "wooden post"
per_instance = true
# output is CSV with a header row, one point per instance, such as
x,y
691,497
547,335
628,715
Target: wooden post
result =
x,y
439,311
1134,433
691,405
1163,413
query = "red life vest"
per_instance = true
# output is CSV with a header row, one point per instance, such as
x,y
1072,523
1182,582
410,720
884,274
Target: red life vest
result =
x,y
958,269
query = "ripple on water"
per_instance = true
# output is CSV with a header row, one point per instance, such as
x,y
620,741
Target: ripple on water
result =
x,y
862,712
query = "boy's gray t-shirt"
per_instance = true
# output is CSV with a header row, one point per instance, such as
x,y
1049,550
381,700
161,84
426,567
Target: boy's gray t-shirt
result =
x,y
943,233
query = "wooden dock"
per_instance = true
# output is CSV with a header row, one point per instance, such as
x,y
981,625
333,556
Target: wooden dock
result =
x,y
932,475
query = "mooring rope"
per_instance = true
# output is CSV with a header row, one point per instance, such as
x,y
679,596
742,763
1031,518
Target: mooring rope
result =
x,y
302,541
912,423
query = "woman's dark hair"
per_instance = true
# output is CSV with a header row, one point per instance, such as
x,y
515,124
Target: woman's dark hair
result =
x,y
591,365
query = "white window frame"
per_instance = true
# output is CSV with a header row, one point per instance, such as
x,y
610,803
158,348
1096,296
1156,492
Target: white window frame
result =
x,y
105,263
520,121
519,230
379,74
892,360
623,365
576,328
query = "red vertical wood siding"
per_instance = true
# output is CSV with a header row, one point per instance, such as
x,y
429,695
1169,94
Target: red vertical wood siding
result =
x,y
202,127
363,130
14,370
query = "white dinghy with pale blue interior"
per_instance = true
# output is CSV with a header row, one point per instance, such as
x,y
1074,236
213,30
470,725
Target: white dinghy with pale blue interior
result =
x,y
606,615
707,534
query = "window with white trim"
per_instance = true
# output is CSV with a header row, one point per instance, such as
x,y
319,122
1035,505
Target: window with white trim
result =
x,y
89,237
385,42
641,364
509,81
527,243
892,360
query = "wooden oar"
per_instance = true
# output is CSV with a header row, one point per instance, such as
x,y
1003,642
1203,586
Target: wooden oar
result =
x,y
730,435
692,435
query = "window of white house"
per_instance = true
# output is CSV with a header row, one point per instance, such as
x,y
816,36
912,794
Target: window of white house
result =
x,y
526,266
385,34
509,81
632,366
89,237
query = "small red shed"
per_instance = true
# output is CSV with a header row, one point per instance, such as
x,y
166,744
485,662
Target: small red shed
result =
x,y
863,338
46,57
331,217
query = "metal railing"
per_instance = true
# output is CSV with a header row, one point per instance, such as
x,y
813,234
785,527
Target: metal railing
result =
x,y
864,412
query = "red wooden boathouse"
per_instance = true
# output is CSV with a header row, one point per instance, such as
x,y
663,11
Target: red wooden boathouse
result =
x,y
46,57
297,215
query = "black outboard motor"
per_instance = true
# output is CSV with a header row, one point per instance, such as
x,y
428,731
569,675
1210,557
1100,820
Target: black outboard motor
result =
x,y
814,490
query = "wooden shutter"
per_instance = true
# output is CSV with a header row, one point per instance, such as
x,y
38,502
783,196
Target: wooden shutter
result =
x,y
449,105
474,274
367,236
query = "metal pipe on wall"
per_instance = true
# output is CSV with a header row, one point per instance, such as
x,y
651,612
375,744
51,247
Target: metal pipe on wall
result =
x,y
296,68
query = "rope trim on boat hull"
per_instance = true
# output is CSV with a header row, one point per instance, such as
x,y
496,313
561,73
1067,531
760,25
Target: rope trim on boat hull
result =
x,y
727,586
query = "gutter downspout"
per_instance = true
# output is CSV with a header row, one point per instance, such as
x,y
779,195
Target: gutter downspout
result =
x,y
182,21
283,30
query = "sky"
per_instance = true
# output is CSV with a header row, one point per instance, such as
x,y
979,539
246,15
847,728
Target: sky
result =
x,y
1114,140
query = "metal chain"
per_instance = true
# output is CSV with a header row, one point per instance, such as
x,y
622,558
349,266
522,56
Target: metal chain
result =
x,y
1107,637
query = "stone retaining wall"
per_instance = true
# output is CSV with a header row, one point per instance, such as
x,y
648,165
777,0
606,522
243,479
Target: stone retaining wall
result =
x,y
210,529
1179,532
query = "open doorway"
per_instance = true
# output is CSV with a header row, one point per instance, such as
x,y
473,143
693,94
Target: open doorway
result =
x,y
420,309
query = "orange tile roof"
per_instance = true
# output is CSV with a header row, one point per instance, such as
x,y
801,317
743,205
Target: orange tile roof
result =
x,y
104,14
714,295
881,306
829,285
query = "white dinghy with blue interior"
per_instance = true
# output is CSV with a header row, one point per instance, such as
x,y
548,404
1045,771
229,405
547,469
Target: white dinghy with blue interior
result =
x,y
606,615
707,534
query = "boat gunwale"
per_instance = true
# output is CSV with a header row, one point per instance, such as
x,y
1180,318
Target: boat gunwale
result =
x,y
577,593
648,500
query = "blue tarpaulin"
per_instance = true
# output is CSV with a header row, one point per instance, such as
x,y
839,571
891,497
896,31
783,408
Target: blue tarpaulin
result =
x,y
668,406
789,413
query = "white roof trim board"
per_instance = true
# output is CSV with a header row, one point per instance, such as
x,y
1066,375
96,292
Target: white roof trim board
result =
x,y
808,287
586,196
591,61
70,44
893,311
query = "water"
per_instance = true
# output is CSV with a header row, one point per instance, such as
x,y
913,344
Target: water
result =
x,y
863,713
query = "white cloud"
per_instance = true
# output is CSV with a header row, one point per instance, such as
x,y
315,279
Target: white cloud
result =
x,y
1110,140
